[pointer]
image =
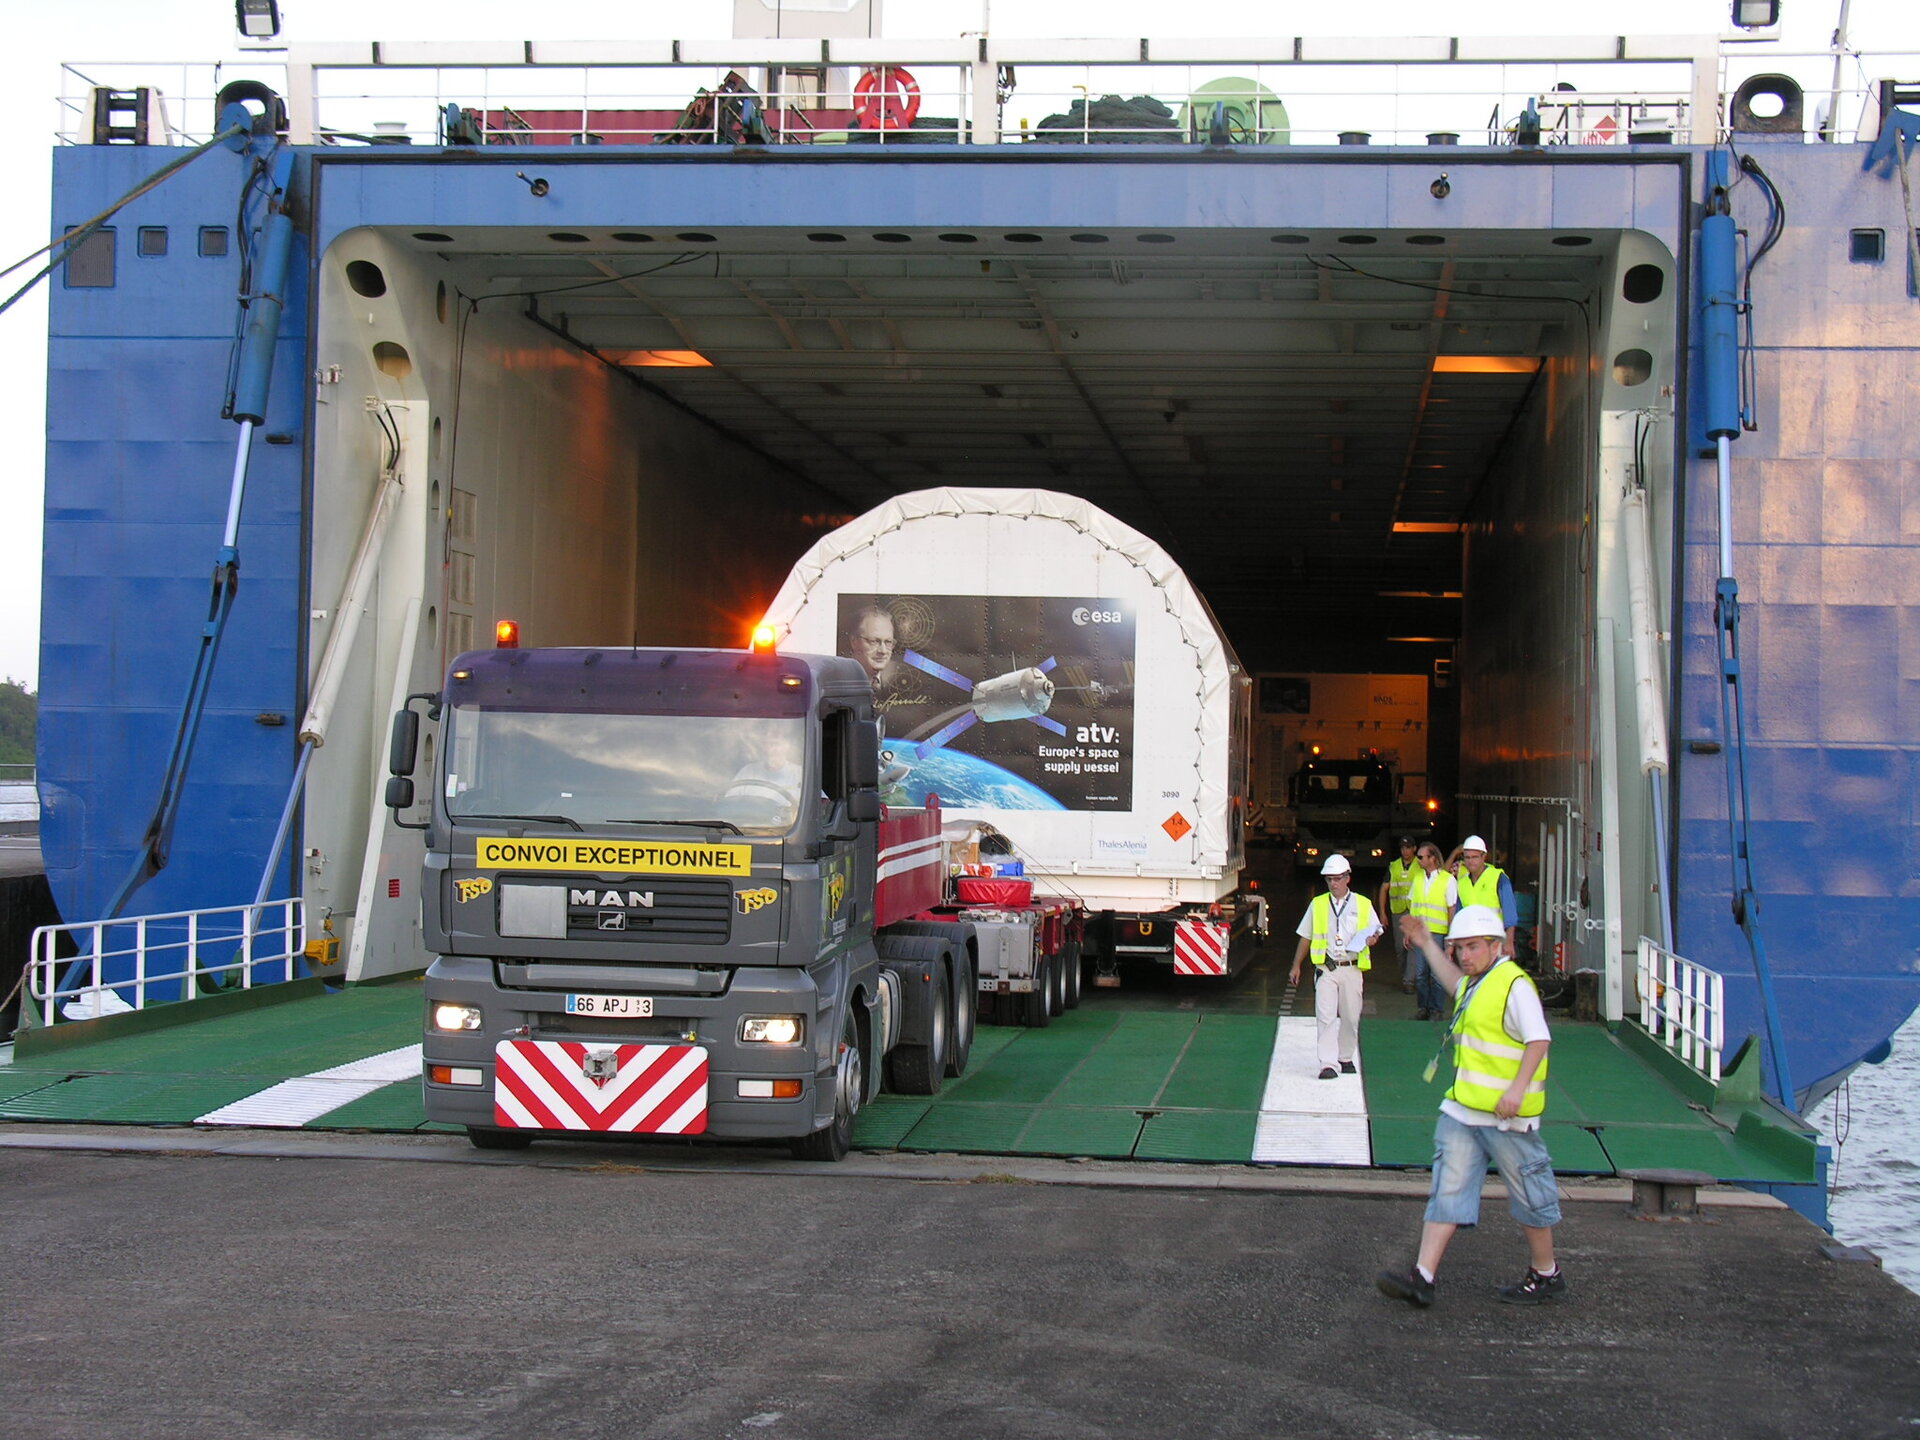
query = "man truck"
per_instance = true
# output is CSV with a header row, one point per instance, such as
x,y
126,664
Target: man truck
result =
x,y
664,898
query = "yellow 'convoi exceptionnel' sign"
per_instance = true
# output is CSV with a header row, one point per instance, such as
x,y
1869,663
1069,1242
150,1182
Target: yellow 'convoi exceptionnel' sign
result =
x,y
627,857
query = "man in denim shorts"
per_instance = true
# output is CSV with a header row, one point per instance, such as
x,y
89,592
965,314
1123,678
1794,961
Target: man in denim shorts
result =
x,y
1492,1111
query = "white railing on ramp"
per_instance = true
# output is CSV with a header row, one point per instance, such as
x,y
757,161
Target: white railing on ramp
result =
x,y
1683,1007
123,964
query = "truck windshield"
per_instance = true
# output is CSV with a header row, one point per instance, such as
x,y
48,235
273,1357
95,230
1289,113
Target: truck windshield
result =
x,y
604,769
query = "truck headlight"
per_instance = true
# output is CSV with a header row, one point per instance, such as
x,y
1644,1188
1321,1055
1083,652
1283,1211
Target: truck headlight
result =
x,y
456,1017
772,1030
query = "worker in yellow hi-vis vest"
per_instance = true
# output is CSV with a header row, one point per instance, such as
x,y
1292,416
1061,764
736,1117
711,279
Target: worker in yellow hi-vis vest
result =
x,y
1336,930
1491,1112
1484,884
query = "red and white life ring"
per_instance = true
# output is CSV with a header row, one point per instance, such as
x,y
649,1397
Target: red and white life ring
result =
x,y
886,97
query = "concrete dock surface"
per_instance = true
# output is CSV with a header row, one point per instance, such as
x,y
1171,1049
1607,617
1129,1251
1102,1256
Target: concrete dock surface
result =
x,y
167,1283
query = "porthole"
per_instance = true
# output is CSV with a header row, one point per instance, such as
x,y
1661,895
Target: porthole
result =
x,y
440,302
365,278
567,237
1426,239
632,237
1643,284
1289,239
892,237
1359,239
826,237
1088,237
392,359
1632,367
432,237
1154,239
959,237
698,237
1571,241
1021,237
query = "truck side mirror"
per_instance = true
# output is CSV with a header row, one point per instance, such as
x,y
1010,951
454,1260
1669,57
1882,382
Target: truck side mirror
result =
x,y
863,805
863,765
399,793
402,749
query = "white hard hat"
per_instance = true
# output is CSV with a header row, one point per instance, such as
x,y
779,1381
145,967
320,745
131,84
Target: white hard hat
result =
x,y
1336,865
1473,842
1474,922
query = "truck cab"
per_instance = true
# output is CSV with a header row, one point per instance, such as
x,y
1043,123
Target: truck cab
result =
x,y
650,888
1344,807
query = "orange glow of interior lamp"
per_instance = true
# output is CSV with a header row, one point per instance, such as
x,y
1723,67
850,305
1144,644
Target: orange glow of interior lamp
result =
x,y
763,637
1485,364
1433,805
506,634
669,359
1316,749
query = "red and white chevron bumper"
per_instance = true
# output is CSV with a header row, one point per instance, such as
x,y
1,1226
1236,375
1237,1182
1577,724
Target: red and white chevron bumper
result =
x,y
630,1089
1200,947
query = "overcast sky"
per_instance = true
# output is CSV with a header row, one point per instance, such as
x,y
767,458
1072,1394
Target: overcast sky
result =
x,y
40,37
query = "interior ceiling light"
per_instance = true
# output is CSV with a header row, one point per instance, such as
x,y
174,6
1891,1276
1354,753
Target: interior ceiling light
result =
x,y
1427,527
1485,364
671,359
1420,639
1421,594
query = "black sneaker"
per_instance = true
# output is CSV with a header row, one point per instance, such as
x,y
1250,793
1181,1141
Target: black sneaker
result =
x,y
1329,1073
1408,1285
1346,1067
1536,1289
1423,1014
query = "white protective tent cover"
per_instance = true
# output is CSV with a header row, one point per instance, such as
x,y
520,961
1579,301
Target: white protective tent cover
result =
x,y
1038,543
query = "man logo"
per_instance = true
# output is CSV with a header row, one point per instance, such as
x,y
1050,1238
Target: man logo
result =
x,y
472,889
752,900
613,919
632,899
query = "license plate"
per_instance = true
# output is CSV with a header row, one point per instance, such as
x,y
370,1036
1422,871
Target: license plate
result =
x,y
632,1007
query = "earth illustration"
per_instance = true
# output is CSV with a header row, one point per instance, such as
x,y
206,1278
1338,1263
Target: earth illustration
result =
x,y
964,781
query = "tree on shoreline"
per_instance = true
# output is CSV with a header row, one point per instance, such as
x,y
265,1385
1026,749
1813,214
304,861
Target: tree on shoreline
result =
x,y
19,711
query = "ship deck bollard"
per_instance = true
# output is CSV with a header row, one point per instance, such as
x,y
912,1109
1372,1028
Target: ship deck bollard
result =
x,y
1666,1194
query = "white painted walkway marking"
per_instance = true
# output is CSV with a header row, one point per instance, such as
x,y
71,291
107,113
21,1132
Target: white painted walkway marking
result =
x,y
1305,1120
292,1103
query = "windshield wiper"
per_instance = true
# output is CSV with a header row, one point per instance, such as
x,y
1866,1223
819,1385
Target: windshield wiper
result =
x,y
547,819
690,824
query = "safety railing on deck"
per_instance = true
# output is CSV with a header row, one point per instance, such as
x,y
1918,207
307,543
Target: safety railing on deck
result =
x,y
125,964
1308,90
1683,1007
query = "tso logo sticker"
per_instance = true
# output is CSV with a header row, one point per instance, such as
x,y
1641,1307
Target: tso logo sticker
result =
x,y
472,889
752,900
836,891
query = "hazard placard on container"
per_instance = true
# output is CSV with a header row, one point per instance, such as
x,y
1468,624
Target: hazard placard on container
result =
x,y
1176,825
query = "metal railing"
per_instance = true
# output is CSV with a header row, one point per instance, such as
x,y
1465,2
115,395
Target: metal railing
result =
x,y
1683,1007
1605,90
127,963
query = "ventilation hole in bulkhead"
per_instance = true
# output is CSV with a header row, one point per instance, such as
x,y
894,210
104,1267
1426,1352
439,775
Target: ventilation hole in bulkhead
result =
x,y
1426,239
567,237
433,453
1359,239
1643,284
433,633
632,237
440,302
1088,237
433,237
392,359
1021,237
959,237
1154,238
1289,239
892,237
1570,241
1632,367
825,237
698,237
366,278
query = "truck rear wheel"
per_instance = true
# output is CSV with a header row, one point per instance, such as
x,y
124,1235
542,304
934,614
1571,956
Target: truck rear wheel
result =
x,y
966,1005
484,1137
917,1069
1070,958
832,1141
1037,1010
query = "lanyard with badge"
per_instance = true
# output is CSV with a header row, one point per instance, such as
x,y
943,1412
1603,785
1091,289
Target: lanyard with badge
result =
x,y
1453,1028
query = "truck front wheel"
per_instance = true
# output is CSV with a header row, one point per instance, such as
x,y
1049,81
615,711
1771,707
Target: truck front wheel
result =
x,y
966,1006
831,1142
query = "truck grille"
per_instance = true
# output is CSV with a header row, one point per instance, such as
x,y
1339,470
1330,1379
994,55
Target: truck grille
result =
x,y
692,911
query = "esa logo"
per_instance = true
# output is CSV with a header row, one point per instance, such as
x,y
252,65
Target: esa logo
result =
x,y
1083,616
